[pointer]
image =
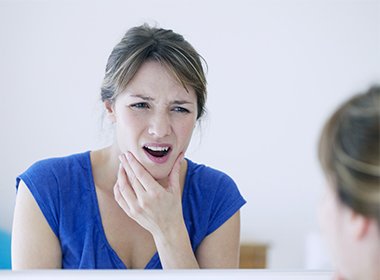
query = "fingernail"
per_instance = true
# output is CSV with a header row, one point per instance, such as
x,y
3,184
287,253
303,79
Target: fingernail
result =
x,y
121,158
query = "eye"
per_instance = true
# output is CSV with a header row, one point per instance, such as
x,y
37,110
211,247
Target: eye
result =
x,y
140,105
180,110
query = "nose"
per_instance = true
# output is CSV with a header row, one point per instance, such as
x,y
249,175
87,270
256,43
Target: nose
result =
x,y
160,125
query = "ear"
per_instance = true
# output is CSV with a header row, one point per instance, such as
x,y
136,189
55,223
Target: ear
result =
x,y
359,225
110,111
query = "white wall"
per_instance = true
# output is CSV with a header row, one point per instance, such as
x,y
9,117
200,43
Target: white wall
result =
x,y
276,70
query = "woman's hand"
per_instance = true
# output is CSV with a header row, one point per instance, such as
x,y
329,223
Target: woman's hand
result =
x,y
157,209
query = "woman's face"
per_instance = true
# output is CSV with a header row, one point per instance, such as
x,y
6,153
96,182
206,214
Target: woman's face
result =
x,y
154,118
334,221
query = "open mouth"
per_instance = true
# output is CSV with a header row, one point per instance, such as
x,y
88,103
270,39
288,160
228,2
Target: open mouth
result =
x,y
157,151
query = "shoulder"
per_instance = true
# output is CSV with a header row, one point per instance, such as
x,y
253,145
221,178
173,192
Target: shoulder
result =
x,y
210,184
57,163
57,166
211,196
50,173
207,176
51,181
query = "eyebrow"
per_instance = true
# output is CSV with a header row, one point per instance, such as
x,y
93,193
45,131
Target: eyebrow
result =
x,y
148,98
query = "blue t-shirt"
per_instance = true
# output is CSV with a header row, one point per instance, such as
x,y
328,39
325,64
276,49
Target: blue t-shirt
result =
x,y
65,191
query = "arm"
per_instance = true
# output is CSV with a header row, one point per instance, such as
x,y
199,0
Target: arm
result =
x,y
34,244
221,249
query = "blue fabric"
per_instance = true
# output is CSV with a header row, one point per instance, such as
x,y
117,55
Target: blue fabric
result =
x,y
5,250
64,190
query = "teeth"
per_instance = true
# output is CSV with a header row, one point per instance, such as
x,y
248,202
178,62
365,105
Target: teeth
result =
x,y
158,149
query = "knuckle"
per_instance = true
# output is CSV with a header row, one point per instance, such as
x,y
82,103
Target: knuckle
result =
x,y
116,193
127,210
143,204
138,210
155,195
135,211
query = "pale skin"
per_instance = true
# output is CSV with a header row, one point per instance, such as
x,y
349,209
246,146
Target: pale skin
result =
x,y
139,200
353,239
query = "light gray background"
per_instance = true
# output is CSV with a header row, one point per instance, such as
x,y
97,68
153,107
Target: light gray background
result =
x,y
276,70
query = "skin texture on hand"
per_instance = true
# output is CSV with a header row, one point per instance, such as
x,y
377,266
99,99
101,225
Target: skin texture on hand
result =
x,y
156,208
153,206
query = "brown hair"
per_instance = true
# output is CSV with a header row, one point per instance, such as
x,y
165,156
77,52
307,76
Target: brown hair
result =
x,y
144,43
349,152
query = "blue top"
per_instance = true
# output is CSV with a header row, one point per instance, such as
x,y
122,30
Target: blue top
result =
x,y
64,189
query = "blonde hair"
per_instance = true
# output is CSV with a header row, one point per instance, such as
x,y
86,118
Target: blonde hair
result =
x,y
143,43
349,152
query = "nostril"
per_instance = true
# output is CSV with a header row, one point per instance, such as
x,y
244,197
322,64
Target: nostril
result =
x,y
160,128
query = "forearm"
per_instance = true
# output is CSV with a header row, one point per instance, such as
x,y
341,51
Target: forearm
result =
x,y
174,248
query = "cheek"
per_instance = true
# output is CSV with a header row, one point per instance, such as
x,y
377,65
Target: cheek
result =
x,y
128,128
184,131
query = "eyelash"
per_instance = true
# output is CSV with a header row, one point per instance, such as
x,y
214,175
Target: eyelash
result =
x,y
142,105
181,110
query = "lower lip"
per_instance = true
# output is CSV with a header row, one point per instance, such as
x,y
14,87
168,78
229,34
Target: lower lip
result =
x,y
159,160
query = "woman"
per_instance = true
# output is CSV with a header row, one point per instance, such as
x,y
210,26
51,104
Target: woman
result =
x,y
137,203
349,152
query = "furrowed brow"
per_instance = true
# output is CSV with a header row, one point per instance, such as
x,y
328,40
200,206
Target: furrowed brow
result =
x,y
181,102
143,97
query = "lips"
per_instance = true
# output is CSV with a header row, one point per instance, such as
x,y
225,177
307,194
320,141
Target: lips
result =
x,y
158,153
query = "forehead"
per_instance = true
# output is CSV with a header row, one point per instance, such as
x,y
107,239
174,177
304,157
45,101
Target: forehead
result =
x,y
155,80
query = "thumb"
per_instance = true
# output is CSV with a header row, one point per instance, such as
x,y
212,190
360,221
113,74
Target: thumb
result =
x,y
175,173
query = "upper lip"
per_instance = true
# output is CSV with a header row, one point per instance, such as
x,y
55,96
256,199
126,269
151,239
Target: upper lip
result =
x,y
157,145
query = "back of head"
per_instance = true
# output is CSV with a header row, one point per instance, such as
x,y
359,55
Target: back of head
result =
x,y
349,151
143,43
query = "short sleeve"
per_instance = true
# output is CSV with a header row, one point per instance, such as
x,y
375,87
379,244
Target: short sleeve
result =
x,y
226,202
41,181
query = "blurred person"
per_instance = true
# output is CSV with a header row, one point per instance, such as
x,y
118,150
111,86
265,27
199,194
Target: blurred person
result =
x,y
349,214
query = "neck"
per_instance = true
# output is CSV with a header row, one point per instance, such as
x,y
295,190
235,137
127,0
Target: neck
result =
x,y
370,257
372,270
105,165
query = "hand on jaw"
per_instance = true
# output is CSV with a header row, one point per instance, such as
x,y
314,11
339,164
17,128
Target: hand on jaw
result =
x,y
142,198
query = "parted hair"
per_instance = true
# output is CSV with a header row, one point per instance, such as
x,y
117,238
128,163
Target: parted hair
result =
x,y
349,152
143,43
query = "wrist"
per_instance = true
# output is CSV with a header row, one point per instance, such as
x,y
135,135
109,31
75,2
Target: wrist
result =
x,y
171,234
174,248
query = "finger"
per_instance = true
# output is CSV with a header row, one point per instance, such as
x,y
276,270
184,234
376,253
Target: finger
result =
x,y
175,172
142,175
134,182
120,200
125,188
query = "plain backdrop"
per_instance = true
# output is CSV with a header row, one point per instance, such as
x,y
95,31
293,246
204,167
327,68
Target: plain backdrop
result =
x,y
276,70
